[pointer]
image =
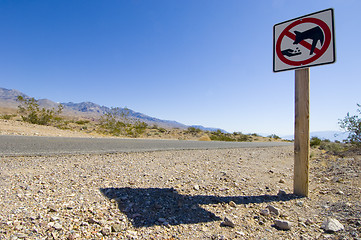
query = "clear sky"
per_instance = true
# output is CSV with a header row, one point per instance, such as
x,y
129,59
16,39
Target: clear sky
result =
x,y
206,62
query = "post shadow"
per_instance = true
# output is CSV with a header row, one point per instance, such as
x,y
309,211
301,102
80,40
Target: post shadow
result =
x,y
147,207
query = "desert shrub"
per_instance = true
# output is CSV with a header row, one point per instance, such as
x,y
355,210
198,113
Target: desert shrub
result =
x,y
111,122
31,112
82,122
194,130
219,136
244,138
274,136
315,141
139,128
240,137
352,125
7,116
116,122
228,137
334,148
162,130
222,138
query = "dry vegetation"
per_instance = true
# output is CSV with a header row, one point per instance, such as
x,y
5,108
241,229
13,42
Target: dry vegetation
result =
x,y
12,123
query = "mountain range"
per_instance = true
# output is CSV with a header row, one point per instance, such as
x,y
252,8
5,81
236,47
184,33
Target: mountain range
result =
x,y
8,99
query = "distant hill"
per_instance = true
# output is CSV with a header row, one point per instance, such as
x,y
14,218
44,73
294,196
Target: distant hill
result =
x,y
8,97
208,128
88,109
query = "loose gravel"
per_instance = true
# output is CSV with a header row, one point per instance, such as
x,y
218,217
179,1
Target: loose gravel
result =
x,y
193,194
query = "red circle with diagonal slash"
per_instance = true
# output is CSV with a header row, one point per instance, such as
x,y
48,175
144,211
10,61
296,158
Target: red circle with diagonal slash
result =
x,y
318,53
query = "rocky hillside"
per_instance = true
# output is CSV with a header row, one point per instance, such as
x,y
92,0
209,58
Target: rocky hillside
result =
x,y
8,97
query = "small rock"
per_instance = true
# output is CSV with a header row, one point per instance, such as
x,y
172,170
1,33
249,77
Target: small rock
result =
x,y
117,228
300,219
21,235
281,180
106,231
54,218
282,224
337,179
71,237
348,204
331,225
340,192
308,222
227,223
265,212
325,179
299,203
232,204
19,228
281,193
52,209
196,187
240,233
132,234
58,226
93,221
273,210
55,235
301,224
84,224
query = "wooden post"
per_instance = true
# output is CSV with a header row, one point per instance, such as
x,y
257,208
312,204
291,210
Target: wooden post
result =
x,y
302,132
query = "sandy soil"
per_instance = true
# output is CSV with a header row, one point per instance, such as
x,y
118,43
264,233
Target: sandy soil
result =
x,y
12,127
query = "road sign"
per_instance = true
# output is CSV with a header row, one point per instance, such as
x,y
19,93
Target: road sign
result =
x,y
304,42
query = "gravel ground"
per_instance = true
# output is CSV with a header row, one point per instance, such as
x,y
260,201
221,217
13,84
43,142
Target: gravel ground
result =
x,y
194,194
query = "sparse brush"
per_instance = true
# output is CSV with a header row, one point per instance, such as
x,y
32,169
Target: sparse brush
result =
x,y
7,116
315,142
82,122
31,112
333,148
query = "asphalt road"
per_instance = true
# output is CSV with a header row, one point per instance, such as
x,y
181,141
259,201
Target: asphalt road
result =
x,y
28,146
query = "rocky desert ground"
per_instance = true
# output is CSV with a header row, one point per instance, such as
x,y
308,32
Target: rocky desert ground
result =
x,y
194,194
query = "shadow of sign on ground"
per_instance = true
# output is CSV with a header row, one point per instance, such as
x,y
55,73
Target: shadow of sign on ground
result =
x,y
146,207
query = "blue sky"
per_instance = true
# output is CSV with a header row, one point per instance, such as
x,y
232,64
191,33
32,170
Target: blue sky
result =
x,y
193,61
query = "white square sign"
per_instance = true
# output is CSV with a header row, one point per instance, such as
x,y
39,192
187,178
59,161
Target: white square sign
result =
x,y
304,42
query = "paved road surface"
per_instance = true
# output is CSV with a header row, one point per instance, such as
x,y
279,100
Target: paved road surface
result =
x,y
25,145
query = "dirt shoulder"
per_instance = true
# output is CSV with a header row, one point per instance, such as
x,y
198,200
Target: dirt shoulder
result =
x,y
90,130
198,194
13,127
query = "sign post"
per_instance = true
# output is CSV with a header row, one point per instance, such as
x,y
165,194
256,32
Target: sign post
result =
x,y
298,44
302,133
